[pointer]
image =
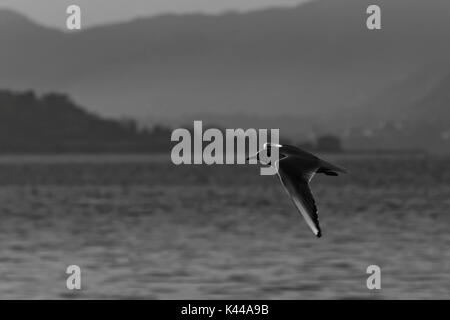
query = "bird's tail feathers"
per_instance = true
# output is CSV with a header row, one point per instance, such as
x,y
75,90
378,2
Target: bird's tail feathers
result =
x,y
330,169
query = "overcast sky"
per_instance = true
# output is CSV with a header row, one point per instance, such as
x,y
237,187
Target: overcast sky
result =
x,y
94,12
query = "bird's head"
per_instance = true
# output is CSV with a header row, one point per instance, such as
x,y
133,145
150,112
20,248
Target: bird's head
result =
x,y
269,154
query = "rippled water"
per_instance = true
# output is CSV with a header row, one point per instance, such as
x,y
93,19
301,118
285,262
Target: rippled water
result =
x,y
140,227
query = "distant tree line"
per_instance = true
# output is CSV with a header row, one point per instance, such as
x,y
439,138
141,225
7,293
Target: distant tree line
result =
x,y
53,123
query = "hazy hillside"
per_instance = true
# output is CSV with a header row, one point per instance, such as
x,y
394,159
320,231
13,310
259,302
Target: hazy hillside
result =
x,y
53,123
434,107
308,70
309,59
415,113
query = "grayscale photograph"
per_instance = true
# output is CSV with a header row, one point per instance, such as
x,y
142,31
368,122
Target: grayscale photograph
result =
x,y
224,150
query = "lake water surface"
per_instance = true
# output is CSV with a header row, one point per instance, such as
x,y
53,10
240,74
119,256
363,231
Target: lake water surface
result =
x,y
140,227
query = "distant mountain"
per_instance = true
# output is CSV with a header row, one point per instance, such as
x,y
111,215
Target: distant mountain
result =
x,y
415,113
307,70
434,107
53,123
308,60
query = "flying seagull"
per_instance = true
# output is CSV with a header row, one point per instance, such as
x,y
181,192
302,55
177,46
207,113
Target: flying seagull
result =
x,y
296,168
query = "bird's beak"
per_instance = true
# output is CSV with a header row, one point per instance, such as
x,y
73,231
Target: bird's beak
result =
x,y
255,156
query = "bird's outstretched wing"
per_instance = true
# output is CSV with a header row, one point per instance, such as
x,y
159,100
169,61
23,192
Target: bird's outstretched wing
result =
x,y
295,174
